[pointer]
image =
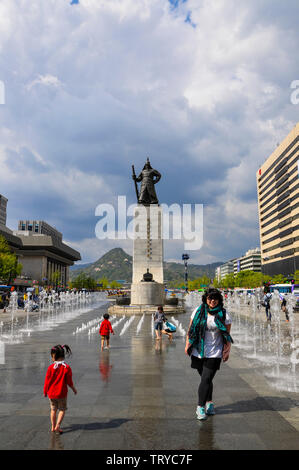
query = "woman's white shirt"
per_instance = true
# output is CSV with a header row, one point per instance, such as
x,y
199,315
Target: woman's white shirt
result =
x,y
213,342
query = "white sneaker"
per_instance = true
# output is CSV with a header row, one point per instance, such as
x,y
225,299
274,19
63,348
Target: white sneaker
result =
x,y
200,413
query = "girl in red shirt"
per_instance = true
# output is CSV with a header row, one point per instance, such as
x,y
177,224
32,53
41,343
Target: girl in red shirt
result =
x,y
105,329
58,378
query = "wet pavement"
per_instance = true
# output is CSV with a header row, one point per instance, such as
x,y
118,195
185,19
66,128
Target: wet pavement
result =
x,y
141,394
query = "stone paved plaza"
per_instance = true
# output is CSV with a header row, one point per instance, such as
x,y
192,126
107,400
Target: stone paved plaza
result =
x,y
142,394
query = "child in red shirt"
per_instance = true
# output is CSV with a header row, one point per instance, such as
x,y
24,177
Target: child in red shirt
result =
x,y
58,378
104,331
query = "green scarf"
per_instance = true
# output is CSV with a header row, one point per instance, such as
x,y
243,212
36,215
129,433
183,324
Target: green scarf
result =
x,y
197,329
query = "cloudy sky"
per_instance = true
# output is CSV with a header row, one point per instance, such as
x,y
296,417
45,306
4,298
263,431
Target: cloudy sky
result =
x,y
93,86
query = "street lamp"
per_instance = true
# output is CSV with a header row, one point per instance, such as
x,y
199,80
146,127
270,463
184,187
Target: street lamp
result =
x,y
185,258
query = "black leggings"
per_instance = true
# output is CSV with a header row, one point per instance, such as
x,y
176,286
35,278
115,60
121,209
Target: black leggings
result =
x,y
207,369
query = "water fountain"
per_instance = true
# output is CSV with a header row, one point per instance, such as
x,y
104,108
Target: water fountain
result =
x,y
192,300
88,325
13,336
272,346
54,309
13,307
126,325
140,324
179,327
2,352
114,325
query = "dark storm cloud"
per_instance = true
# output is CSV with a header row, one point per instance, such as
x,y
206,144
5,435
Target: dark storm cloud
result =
x,y
109,83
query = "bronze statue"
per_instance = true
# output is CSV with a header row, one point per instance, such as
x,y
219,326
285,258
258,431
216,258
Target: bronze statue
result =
x,y
148,178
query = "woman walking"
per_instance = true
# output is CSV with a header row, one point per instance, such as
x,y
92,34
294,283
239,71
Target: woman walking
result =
x,y
208,342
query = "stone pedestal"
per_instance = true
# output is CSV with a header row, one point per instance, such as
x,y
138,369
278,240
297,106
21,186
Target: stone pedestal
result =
x,y
147,256
147,293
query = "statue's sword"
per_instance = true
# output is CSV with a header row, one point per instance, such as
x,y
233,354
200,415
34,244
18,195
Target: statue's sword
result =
x,y
134,177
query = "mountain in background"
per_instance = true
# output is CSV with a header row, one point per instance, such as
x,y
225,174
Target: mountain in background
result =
x,y
117,265
114,265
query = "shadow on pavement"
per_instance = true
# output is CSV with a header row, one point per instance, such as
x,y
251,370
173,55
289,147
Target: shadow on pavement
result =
x,y
114,423
257,404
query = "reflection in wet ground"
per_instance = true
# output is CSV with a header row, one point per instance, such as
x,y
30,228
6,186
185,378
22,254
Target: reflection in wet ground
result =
x,y
140,394
56,442
105,366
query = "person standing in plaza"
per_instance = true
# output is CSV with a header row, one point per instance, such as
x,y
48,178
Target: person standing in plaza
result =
x,y
104,331
159,318
58,379
4,302
285,309
267,299
208,343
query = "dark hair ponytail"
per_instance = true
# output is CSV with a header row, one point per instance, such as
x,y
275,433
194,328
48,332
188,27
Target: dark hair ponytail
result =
x,y
59,353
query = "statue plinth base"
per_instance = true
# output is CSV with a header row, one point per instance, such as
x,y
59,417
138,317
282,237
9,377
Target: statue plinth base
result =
x,y
147,282
144,309
147,293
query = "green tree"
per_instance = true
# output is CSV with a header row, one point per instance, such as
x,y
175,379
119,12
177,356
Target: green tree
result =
x,y
114,285
79,281
91,283
84,282
9,266
104,281
199,283
216,283
247,279
228,282
279,279
55,278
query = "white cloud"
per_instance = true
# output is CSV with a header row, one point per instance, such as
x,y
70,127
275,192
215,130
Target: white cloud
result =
x,y
93,88
46,80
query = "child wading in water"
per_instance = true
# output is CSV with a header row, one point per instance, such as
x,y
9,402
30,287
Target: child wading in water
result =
x,y
105,329
58,378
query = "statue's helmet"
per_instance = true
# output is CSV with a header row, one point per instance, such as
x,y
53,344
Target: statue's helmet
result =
x,y
147,165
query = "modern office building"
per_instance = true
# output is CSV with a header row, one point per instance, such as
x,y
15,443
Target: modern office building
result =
x,y
224,269
3,204
38,226
41,251
278,206
250,261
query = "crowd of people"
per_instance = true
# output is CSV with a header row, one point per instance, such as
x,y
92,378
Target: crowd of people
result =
x,y
22,299
117,293
32,299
